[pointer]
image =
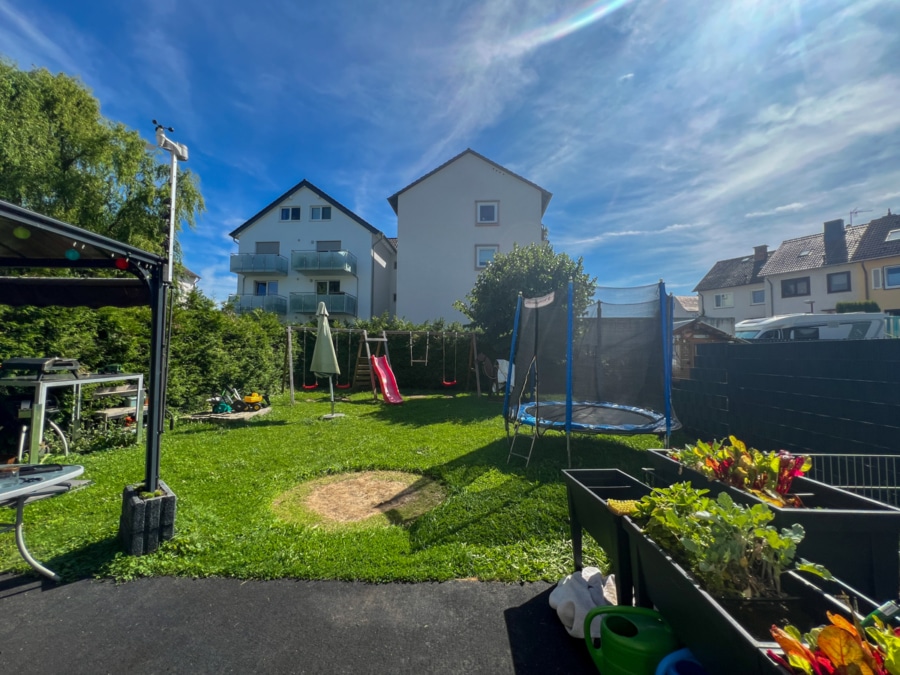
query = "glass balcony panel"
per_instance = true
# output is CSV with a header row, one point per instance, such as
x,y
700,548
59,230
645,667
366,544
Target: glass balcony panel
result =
x,y
259,263
331,262
270,303
308,303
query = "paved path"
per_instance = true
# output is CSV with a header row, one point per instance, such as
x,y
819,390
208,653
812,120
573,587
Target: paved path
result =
x,y
171,625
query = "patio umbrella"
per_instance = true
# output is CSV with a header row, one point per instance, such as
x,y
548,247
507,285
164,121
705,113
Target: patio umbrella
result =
x,y
324,360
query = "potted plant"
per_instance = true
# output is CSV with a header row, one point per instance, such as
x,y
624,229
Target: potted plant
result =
x,y
721,575
868,531
147,518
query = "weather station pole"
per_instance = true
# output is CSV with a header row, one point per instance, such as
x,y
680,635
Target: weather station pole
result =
x,y
159,346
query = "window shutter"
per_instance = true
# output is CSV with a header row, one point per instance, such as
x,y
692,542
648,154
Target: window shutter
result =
x,y
876,278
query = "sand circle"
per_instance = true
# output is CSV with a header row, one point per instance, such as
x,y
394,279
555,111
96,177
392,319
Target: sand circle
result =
x,y
394,497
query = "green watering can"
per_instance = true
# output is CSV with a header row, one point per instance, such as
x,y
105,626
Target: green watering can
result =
x,y
633,640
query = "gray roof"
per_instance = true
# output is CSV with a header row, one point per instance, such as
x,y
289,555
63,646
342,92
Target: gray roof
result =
x,y
872,243
732,272
306,184
545,195
810,252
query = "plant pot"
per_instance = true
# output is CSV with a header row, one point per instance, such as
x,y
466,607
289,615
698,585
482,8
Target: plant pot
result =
x,y
145,523
713,629
588,490
856,538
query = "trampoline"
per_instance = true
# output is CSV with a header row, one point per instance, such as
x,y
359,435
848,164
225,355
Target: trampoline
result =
x,y
593,417
607,370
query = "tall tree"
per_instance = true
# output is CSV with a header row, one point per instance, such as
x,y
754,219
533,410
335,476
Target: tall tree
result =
x,y
532,270
60,157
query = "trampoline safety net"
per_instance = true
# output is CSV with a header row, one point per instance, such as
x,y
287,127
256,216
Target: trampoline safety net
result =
x,y
605,371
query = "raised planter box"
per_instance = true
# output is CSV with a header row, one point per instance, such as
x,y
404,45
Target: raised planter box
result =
x,y
856,538
145,523
588,490
715,635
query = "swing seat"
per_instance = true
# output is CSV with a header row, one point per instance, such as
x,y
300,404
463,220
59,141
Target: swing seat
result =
x,y
343,386
449,384
311,386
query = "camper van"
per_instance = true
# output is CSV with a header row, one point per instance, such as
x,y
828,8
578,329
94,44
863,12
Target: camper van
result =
x,y
851,326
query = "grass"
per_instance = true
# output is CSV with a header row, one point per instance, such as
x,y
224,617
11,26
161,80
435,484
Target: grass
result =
x,y
498,521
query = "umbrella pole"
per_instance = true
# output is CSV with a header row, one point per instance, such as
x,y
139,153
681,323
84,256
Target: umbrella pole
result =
x,y
331,389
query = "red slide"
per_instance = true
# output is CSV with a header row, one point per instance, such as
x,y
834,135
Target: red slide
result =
x,y
386,379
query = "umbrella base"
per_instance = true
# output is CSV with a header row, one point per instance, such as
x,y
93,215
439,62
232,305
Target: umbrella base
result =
x,y
331,416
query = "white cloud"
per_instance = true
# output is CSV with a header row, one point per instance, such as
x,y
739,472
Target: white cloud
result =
x,y
787,208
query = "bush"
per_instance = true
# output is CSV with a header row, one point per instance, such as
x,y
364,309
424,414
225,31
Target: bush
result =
x,y
857,306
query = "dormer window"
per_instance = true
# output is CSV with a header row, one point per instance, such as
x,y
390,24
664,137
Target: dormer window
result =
x,y
893,235
290,213
487,213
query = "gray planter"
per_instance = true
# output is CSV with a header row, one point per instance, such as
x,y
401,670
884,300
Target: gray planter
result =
x,y
145,523
856,538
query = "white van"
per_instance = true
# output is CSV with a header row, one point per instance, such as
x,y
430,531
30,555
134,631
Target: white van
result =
x,y
850,326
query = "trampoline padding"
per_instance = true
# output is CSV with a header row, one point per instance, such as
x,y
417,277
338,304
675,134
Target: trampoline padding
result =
x,y
594,417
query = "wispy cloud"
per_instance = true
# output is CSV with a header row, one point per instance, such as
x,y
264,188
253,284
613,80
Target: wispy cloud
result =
x,y
787,208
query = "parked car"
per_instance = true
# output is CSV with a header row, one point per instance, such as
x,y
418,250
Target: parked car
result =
x,y
851,326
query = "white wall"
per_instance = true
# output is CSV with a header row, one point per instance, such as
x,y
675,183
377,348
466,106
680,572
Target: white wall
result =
x,y
437,231
302,235
384,278
818,287
743,303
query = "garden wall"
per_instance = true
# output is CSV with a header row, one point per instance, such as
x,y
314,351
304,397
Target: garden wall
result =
x,y
823,397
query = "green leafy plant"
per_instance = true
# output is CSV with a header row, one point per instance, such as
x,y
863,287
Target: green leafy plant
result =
x,y
729,548
768,475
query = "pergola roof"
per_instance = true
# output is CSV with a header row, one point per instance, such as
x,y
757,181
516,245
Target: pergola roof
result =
x,y
29,240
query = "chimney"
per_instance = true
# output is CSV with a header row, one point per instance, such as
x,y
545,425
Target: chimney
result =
x,y
761,252
834,230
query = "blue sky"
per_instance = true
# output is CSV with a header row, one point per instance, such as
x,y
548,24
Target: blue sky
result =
x,y
671,133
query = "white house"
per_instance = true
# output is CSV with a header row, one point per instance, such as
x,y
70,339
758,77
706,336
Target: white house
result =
x,y
734,288
306,247
450,224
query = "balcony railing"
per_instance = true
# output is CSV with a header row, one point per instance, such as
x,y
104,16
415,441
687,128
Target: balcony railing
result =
x,y
308,303
330,262
270,303
269,264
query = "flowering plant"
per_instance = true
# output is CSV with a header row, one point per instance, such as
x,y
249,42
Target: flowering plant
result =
x,y
768,475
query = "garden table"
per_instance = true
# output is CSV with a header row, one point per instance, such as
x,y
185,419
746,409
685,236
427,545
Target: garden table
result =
x,y
36,482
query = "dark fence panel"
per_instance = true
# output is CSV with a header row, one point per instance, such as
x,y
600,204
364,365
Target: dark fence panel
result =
x,y
834,397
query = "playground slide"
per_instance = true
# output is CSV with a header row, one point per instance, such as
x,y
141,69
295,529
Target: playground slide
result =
x,y
386,379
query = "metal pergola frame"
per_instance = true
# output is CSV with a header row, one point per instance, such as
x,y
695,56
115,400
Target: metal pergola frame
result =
x,y
30,241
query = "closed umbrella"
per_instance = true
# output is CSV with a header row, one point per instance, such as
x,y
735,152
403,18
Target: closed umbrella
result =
x,y
324,360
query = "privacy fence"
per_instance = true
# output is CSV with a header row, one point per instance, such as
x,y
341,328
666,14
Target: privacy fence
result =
x,y
835,398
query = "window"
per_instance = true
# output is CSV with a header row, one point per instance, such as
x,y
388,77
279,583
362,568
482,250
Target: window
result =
x,y
876,278
724,300
892,277
487,213
484,255
839,282
328,287
893,235
266,288
320,213
268,247
325,246
290,213
758,297
794,288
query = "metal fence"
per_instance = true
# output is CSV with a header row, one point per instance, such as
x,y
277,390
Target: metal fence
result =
x,y
873,476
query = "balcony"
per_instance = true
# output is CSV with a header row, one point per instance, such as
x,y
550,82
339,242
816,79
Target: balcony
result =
x,y
269,303
308,303
260,264
324,262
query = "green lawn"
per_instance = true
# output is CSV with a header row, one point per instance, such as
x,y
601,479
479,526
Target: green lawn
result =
x,y
499,521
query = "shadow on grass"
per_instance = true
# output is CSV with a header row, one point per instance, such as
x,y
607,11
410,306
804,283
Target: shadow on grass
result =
x,y
439,409
86,562
204,427
504,502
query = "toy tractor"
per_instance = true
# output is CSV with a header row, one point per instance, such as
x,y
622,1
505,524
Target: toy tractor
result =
x,y
250,402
